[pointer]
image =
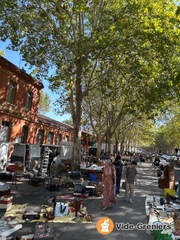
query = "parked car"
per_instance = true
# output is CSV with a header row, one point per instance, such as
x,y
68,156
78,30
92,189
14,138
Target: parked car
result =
x,y
167,158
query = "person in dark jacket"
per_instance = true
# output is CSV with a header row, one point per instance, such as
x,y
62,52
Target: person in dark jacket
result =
x,y
157,161
118,166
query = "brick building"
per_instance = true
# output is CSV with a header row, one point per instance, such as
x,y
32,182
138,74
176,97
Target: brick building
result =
x,y
19,118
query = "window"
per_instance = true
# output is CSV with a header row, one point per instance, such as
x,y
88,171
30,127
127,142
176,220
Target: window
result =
x,y
24,134
40,136
58,139
11,92
4,131
28,100
66,138
50,138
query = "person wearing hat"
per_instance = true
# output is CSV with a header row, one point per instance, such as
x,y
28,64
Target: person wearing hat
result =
x,y
130,179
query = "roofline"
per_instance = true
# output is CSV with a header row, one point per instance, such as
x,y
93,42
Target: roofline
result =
x,y
43,118
20,72
53,122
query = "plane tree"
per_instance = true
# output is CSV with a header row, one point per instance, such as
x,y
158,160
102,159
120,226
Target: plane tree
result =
x,y
172,131
60,40
78,45
142,75
116,122
170,125
141,133
104,110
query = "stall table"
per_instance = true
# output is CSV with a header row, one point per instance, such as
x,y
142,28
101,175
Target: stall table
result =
x,y
152,207
98,171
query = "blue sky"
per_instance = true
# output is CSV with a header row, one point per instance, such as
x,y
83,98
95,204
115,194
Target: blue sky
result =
x,y
15,58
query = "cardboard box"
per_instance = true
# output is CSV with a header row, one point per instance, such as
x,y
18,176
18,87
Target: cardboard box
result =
x,y
32,213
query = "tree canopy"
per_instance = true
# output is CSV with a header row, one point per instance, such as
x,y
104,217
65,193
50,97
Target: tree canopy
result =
x,y
44,103
2,53
90,44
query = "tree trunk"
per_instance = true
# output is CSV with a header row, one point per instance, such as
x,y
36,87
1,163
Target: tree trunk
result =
x,y
77,116
122,147
98,147
116,146
108,142
109,146
76,150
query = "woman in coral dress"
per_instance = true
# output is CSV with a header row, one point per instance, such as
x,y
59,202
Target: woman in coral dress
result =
x,y
109,184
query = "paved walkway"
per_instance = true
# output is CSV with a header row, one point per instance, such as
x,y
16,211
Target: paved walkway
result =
x,y
122,212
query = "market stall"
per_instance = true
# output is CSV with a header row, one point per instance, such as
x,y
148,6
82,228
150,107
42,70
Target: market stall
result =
x,y
164,215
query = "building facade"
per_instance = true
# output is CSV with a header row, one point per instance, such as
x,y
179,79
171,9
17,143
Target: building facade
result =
x,y
19,118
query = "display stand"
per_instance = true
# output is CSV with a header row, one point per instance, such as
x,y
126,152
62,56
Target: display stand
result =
x,y
45,159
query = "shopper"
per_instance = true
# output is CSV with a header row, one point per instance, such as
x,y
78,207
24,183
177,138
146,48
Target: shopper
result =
x,y
130,179
53,169
92,176
109,184
157,161
35,168
118,166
